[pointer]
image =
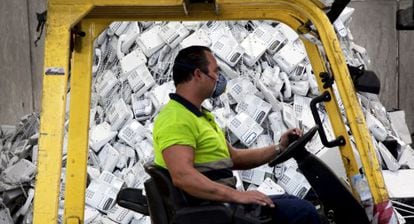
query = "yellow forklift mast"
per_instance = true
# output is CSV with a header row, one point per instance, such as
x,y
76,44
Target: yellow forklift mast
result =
x,y
73,25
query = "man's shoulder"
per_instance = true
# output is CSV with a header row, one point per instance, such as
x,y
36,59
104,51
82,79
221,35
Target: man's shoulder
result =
x,y
173,112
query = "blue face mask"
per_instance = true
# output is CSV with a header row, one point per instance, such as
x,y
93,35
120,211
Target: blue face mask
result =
x,y
220,86
221,82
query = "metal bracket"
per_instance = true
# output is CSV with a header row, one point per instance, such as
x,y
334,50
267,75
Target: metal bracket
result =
x,y
327,79
187,3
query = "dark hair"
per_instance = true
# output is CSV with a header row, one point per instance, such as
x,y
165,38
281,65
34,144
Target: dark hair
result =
x,y
187,60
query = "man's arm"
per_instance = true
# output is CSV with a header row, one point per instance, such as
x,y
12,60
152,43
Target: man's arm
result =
x,y
251,158
180,159
244,159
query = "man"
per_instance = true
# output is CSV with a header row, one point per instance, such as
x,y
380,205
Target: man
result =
x,y
190,144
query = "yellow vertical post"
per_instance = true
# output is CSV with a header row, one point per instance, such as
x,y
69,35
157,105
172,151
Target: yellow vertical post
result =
x,y
52,116
355,117
334,114
79,123
353,112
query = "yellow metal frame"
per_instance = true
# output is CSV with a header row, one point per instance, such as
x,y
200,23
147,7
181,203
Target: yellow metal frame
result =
x,y
92,16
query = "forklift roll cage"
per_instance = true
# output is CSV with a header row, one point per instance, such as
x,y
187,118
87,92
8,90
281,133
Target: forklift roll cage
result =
x,y
93,16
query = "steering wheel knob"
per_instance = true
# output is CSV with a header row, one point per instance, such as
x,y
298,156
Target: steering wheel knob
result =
x,y
294,148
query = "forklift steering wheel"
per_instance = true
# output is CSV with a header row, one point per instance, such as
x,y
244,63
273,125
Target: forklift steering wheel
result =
x,y
294,148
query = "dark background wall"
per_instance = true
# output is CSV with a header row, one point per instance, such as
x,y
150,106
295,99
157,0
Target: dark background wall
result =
x,y
373,27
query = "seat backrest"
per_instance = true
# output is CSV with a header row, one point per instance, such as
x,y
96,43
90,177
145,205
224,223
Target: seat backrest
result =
x,y
165,201
172,198
156,207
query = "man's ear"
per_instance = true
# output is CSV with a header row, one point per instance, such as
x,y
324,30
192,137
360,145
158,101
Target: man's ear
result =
x,y
197,73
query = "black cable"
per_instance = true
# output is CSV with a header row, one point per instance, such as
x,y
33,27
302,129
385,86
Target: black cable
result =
x,y
41,22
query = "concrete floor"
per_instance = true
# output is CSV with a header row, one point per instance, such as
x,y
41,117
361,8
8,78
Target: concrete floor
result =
x,y
373,27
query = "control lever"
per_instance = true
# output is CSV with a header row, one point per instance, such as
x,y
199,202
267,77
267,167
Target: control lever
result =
x,y
325,97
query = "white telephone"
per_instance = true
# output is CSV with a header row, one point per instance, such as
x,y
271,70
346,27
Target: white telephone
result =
x,y
145,150
245,128
228,49
254,49
140,80
270,75
107,84
118,114
340,28
100,195
301,107
294,183
90,215
199,37
255,107
269,96
238,89
287,32
271,36
192,25
160,94
257,175
132,133
108,157
127,158
376,127
111,179
141,107
173,33
227,70
300,88
299,73
117,28
133,60
131,35
276,124
149,41
269,187
289,57
100,135
135,176
120,215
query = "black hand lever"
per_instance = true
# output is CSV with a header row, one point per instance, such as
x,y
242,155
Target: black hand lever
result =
x,y
325,97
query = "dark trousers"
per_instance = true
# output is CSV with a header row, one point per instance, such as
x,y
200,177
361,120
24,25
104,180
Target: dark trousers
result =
x,y
292,210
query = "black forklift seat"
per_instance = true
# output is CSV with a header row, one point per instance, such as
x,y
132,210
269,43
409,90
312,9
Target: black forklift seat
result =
x,y
167,204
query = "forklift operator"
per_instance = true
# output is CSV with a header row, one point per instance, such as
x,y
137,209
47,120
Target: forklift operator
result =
x,y
190,144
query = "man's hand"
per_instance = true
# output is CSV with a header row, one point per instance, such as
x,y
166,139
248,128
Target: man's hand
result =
x,y
289,134
252,197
